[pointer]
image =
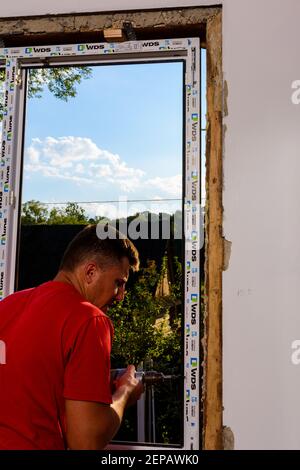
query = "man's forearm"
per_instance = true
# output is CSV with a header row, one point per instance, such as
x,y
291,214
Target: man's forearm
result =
x,y
119,402
90,425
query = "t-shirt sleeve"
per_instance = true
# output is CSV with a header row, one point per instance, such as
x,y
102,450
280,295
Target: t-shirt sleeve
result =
x,y
87,371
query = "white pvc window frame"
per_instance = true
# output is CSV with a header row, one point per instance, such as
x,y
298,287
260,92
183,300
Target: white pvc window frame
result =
x,y
187,49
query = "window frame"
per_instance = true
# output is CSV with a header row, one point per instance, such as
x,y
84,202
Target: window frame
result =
x,y
17,60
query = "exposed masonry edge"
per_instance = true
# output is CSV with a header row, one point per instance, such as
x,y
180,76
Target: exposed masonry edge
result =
x,y
228,438
227,253
98,21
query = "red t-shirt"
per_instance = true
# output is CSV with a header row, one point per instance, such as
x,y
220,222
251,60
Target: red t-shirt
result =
x,y
57,346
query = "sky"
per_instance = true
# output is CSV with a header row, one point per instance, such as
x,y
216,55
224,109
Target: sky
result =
x,y
120,137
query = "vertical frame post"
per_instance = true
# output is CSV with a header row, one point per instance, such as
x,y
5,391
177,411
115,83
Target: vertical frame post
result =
x,y
192,222
10,172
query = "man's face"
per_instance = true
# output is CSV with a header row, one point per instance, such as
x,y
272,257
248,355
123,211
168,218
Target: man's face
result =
x,y
105,286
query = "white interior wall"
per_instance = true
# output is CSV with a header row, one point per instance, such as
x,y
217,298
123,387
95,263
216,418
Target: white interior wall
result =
x,y
261,168
261,191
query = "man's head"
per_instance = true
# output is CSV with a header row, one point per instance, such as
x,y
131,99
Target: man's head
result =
x,y
99,268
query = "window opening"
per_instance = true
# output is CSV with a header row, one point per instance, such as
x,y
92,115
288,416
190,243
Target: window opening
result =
x,y
74,157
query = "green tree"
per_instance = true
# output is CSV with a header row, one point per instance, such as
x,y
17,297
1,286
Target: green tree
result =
x,y
140,336
72,214
97,219
34,212
61,82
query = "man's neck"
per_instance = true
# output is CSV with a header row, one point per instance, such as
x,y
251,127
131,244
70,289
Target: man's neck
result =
x,y
69,278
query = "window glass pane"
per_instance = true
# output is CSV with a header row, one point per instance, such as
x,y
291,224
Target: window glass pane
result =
x,y
114,151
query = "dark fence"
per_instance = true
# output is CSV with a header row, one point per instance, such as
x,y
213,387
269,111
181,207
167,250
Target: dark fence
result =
x,y
41,248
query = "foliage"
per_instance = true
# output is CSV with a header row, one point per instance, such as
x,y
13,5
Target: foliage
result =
x,y
60,81
72,214
141,338
137,336
35,212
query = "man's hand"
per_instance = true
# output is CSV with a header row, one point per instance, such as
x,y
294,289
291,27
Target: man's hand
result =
x,y
128,381
91,425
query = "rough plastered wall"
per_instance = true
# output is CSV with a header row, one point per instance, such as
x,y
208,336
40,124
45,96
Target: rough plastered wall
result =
x,y
261,314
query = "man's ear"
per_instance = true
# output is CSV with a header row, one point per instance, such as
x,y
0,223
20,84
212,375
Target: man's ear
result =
x,y
91,271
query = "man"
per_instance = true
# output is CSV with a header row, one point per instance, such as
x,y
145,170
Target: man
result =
x,y
55,385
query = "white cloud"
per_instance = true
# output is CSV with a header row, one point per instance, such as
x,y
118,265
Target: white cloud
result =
x,y
79,168
80,160
69,156
62,152
118,210
102,170
171,185
51,172
33,155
